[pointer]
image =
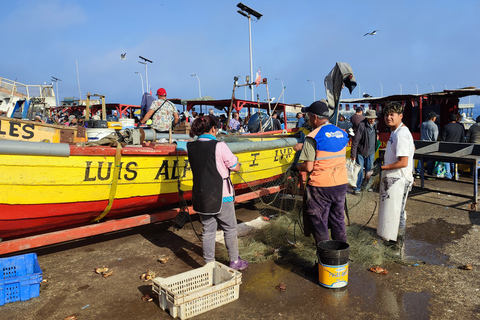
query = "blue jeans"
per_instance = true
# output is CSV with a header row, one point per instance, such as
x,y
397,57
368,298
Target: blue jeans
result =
x,y
449,170
366,162
429,168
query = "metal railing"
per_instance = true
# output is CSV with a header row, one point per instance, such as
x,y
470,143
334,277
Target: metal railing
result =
x,y
27,91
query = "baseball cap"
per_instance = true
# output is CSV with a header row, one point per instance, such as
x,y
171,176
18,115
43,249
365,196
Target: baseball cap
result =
x,y
161,92
319,108
432,114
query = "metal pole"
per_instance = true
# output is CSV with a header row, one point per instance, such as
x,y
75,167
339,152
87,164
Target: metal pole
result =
x,y
400,87
146,77
433,88
416,85
313,89
251,61
283,87
199,88
445,86
359,91
141,79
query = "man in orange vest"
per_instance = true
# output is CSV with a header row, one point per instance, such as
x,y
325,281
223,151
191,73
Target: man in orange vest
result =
x,y
324,158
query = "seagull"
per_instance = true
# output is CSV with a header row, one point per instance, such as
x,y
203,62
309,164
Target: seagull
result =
x,y
371,33
122,56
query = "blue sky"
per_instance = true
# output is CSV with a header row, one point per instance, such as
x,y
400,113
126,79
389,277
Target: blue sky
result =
x,y
420,41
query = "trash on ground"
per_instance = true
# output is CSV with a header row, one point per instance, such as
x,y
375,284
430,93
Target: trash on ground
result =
x,y
379,270
147,298
149,275
105,272
468,266
281,287
72,317
163,258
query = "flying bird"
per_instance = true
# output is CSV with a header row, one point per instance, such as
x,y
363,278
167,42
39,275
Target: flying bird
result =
x,y
122,56
374,32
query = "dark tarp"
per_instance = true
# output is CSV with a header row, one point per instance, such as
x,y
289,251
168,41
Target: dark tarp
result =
x,y
340,76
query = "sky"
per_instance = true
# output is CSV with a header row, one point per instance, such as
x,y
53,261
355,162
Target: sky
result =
x,y
432,44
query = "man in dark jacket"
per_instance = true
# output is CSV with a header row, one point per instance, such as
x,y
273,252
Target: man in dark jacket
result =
x,y
364,145
357,118
453,132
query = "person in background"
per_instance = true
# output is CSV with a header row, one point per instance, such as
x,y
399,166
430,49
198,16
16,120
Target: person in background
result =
x,y
343,123
428,132
277,125
163,113
223,122
213,195
357,118
301,120
73,122
113,116
234,124
396,178
364,146
38,118
473,134
452,132
324,157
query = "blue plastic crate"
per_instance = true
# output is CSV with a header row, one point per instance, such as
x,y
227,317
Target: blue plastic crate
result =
x,y
20,278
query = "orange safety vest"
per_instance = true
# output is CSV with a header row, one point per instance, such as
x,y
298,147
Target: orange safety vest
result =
x,y
330,165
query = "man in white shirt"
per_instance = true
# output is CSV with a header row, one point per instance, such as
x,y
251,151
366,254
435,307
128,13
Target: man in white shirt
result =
x,y
396,179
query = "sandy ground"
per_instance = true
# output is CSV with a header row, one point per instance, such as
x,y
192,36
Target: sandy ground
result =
x,y
441,232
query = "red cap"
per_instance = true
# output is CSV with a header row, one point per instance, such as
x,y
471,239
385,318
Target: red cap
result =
x,y
161,92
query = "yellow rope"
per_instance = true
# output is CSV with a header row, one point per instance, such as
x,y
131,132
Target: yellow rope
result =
x,y
113,184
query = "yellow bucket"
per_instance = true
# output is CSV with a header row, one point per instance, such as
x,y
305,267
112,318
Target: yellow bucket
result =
x,y
333,276
333,263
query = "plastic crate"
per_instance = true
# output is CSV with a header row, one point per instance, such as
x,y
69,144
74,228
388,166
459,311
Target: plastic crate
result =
x,y
194,292
20,278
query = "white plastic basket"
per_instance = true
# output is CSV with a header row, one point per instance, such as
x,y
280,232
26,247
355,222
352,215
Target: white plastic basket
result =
x,y
194,292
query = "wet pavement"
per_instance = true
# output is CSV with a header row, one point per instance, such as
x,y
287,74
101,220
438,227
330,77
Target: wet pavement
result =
x,y
441,233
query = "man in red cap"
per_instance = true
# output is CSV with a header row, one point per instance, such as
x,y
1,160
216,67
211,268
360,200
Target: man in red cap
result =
x,y
163,113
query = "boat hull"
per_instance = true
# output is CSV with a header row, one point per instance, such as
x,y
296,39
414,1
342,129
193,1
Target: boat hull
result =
x,y
49,192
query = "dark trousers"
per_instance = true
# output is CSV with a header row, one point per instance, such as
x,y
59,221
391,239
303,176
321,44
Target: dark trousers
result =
x,y
326,209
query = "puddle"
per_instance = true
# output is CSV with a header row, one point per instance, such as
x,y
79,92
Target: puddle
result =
x,y
424,239
424,251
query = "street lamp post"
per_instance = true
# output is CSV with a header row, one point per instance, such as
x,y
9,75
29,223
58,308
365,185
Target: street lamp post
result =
x,y
359,90
416,85
443,84
433,88
400,87
313,89
283,88
381,88
248,12
56,85
199,89
141,79
144,62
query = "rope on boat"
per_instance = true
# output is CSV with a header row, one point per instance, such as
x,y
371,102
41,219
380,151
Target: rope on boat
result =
x,y
114,182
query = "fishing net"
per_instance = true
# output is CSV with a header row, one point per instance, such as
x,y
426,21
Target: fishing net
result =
x,y
282,238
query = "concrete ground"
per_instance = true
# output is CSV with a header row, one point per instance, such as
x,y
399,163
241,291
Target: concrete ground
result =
x,y
440,231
